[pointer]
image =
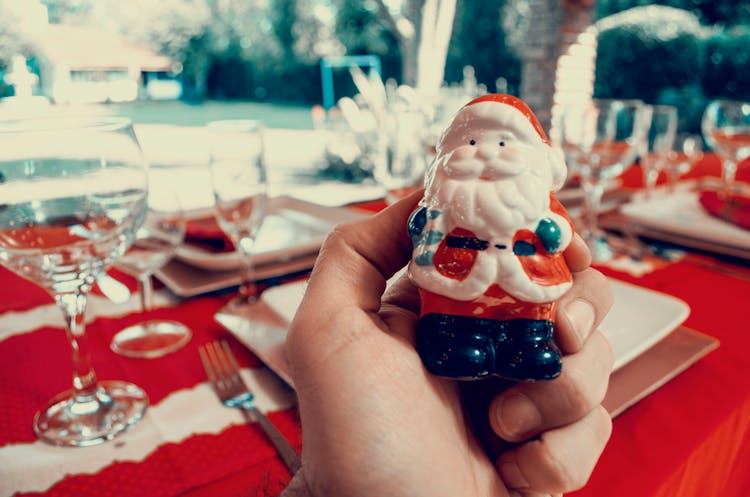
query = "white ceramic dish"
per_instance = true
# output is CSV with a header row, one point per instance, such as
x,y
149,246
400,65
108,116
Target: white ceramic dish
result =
x,y
679,218
188,281
638,320
574,195
292,228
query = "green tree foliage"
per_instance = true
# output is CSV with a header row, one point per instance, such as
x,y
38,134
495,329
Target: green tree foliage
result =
x,y
479,41
647,52
238,49
303,30
361,31
726,12
666,55
283,19
728,63
252,49
645,49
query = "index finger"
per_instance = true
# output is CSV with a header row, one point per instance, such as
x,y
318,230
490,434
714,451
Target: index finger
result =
x,y
357,259
577,255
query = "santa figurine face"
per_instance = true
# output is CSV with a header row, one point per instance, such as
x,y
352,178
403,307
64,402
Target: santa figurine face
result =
x,y
488,242
488,149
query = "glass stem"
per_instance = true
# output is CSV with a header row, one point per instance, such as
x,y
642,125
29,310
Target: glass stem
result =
x,y
652,174
248,291
146,290
592,206
73,306
671,179
728,172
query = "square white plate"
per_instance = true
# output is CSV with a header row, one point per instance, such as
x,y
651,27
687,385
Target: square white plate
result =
x,y
638,319
291,229
188,281
679,218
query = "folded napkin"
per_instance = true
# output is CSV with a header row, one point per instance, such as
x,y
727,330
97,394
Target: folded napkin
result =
x,y
206,233
731,207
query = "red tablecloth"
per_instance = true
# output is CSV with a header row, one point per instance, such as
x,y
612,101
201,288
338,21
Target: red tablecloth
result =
x,y
689,438
228,458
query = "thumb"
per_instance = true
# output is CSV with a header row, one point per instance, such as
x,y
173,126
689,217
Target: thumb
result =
x,y
349,279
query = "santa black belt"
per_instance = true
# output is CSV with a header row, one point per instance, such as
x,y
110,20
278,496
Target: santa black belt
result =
x,y
469,242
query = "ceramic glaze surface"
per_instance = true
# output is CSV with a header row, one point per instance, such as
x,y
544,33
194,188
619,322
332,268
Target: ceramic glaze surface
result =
x,y
488,239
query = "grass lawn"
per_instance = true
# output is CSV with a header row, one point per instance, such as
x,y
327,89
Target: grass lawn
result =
x,y
175,113
184,114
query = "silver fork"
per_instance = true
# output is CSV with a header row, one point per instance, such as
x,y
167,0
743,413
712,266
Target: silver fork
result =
x,y
224,374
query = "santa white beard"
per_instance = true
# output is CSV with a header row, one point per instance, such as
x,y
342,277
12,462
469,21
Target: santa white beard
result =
x,y
489,208
493,210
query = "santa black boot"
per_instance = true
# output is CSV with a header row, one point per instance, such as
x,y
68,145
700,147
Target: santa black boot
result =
x,y
526,351
457,347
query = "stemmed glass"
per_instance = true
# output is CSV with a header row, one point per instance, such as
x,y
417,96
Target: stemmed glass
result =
x,y
238,176
658,144
403,152
156,242
686,151
73,196
726,128
600,140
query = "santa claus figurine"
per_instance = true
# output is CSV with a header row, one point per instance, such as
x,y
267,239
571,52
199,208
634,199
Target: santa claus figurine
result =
x,y
488,238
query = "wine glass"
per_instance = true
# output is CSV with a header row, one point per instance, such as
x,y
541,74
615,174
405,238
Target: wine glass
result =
x,y
662,128
73,196
599,140
402,153
686,151
155,243
726,128
238,177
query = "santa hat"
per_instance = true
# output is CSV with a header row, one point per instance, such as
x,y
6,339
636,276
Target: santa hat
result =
x,y
506,110
510,112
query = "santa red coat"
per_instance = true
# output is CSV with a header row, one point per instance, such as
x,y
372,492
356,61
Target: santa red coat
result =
x,y
455,258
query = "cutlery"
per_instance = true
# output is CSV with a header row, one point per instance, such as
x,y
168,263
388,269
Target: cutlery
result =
x,y
223,372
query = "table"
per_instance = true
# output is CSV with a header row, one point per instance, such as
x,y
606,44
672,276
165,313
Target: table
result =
x,y
187,441
689,438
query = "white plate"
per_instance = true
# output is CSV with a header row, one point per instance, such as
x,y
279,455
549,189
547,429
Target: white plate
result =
x,y
574,194
292,228
679,218
188,281
639,319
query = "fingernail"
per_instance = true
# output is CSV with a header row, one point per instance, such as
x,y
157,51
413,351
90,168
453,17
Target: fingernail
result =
x,y
512,476
581,315
518,415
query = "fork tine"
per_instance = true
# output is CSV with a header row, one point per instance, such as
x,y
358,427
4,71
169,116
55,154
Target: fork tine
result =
x,y
229,362
224,374
221,366
207,365
232,361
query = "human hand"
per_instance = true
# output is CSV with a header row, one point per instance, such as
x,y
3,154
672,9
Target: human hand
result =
x,y
375,422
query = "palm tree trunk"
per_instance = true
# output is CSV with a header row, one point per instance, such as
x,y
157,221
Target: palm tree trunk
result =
x,y
539,59
423,29
576,64
558,63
